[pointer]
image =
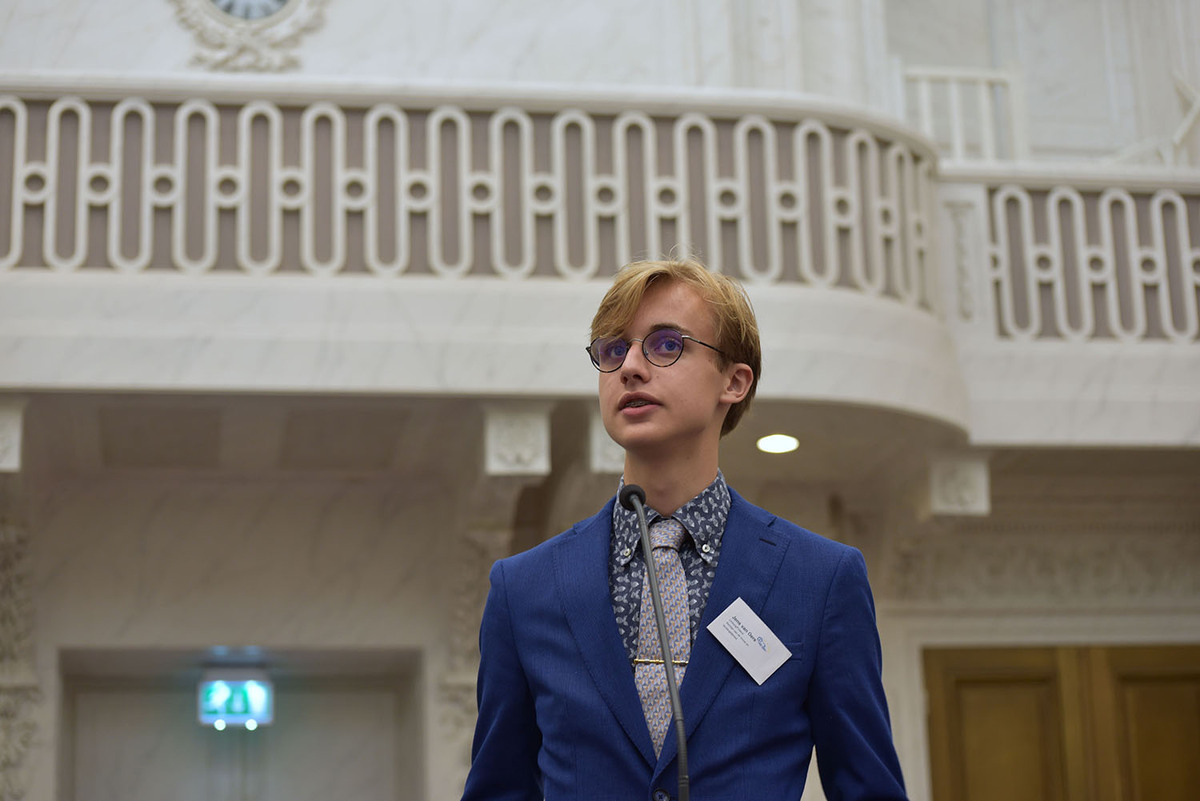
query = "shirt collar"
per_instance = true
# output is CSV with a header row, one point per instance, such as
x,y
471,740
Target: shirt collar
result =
x,y
703,516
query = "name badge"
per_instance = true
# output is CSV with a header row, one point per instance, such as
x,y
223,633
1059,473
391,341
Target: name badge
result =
x,y
747,638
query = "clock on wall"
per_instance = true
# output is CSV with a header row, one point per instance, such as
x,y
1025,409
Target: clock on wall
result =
x,y
250,9
248,35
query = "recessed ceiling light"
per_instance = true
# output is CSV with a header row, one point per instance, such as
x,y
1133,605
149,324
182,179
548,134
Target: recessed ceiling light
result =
x,y
778,443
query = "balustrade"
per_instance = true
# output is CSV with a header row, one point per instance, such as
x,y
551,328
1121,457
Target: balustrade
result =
x,y
974,115
1081,264
462,188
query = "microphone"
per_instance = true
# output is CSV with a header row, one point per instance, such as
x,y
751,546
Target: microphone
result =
x,y
629,492
633,498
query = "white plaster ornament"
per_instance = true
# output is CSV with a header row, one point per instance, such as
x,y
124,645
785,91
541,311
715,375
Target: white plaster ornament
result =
x,y
249,35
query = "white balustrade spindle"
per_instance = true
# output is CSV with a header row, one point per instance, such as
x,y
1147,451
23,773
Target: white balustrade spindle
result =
x,y
325,188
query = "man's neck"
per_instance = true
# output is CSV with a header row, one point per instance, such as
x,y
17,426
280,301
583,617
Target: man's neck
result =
x,y
670,486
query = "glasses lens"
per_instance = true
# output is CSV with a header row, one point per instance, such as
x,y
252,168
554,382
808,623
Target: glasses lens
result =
x,y
608,353
664,346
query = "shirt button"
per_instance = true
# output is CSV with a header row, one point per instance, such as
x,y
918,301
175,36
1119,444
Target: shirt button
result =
x,y
662,795
626,552
705,548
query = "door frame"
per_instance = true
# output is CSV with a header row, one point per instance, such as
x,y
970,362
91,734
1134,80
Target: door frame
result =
x,y
907,629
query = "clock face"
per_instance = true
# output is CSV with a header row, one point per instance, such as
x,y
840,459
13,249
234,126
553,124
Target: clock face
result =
x,y
250,9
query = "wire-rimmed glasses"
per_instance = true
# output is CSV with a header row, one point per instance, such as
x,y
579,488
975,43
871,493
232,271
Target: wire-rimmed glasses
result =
x,y
662,348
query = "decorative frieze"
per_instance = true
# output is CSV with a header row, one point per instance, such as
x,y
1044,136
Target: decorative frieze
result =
x,y
1048,565
18,683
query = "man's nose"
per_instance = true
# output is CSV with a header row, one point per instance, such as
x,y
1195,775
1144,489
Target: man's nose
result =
x,y
635,364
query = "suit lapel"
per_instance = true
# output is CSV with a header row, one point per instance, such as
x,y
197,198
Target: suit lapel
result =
x,y
581,574
751,553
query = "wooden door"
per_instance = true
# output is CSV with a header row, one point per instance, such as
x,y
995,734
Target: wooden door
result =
x,y
1064,724
1147,723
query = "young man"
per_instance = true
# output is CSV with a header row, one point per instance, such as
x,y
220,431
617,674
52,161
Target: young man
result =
x,y
571,693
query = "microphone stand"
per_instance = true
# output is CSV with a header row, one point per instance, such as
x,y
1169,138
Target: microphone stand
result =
x,y
633,497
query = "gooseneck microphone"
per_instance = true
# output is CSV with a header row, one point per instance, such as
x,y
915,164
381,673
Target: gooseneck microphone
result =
x,y
633,498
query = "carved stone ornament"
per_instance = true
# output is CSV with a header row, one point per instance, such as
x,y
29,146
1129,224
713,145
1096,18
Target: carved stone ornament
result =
x,y
959,485
960,218
16,607
485,518
249,35
989,565
604,455
517,439
9,451
18,684
17,732
12,422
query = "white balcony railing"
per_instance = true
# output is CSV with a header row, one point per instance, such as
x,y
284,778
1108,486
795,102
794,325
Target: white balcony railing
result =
x,y
449,185
386,197
1073,298
1079,264
973,115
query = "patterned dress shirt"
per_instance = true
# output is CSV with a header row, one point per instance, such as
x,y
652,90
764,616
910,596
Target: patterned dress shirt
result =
x,y
704,518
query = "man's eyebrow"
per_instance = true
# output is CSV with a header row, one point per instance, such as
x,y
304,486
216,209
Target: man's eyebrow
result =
x,y
673,326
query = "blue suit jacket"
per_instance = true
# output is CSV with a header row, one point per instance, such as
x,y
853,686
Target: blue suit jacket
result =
x,y
559,715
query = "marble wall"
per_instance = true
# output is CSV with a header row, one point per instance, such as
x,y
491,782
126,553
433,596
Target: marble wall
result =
x,y
1100,79
1099,76
624,42
340,587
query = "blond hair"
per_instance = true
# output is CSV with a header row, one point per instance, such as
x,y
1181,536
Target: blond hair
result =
x,y
733,317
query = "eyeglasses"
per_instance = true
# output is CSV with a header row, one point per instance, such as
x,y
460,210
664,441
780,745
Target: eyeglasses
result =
x,y
662,348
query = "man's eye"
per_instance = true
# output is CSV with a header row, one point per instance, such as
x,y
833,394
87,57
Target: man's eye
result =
x,y
616,349
666,343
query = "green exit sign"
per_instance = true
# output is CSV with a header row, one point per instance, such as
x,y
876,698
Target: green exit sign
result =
x,y
236,697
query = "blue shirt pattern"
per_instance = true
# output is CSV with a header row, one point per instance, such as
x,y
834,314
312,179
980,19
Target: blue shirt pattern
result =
x,y
704,519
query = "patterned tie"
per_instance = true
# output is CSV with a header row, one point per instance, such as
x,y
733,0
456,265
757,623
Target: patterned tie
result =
x,y
648,671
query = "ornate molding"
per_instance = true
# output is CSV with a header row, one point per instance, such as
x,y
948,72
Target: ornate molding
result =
x,y
987,566
12,425
16,607
10,450
456,700
604,455
486,525
517,439
961,213
17,733
18,682
959,485
227,43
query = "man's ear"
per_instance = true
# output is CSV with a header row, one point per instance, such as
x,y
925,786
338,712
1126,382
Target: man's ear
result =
x,y
738,378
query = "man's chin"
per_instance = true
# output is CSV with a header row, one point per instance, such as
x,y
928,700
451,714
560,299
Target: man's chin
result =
x,y
639,443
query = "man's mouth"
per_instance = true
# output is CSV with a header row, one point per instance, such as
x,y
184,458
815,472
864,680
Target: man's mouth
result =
x,y
637,403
